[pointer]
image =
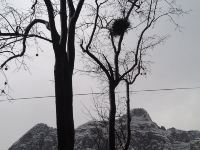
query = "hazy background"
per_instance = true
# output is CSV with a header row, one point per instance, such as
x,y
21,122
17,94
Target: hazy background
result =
x,y
176,64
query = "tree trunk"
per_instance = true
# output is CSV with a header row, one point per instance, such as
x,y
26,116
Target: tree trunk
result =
x,y
64,102
128,117
112,117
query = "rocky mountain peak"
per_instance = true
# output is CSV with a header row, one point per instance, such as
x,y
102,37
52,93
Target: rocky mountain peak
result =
x,y
146,135
140,114
40,137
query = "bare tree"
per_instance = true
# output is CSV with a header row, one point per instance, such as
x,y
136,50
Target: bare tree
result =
x,y
105,39
17,28
131,77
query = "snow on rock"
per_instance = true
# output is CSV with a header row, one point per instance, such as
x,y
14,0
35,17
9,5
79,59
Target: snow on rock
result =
x,y
145,135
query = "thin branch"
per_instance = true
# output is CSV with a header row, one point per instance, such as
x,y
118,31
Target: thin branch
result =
x,y
24,41
95,26
113,43
7,22
15,35
33,6
109,66
96,60
138,45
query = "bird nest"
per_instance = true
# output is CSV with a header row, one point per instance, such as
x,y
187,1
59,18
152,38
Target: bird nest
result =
x,y
120,26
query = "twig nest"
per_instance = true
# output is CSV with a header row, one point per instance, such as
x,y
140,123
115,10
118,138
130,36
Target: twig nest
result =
x,y
119,26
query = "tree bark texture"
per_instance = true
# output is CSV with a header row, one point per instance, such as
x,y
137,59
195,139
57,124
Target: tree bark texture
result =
x,y
112,114
128,123
64,102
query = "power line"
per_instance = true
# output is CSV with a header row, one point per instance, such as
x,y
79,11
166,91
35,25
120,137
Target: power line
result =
x,y
26,98
100,93
165,89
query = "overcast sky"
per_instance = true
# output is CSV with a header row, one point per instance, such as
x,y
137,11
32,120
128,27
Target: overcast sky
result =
x,y
176,64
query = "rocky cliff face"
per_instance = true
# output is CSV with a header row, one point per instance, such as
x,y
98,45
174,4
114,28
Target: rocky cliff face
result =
x,y
146,135
40,137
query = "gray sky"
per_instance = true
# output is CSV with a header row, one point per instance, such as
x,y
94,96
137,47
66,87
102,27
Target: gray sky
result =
x,y
176,64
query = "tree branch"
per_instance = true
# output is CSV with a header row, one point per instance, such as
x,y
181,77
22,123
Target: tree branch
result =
x,y
96,60
24,41
71,8
109,66
95,26
54,34
137,49
16,35
63,20
78,9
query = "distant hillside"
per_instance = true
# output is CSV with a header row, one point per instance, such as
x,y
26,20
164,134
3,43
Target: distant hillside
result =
x,y
40,137
146,135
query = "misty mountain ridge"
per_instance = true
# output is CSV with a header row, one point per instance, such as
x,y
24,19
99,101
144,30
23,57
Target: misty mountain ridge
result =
x,y
93,135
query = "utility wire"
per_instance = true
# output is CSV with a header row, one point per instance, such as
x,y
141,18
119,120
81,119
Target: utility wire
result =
x,y
25,98
100,93
165,89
